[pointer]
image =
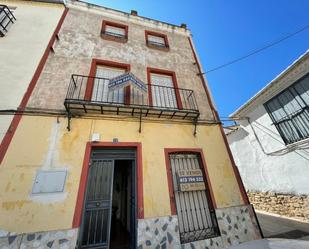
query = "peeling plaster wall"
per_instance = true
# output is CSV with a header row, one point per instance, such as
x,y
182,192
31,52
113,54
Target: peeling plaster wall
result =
x,y
22,52
80,41
285,172
54,147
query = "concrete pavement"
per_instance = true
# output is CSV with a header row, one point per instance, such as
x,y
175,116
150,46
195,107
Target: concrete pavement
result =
x,y
278,227
273,244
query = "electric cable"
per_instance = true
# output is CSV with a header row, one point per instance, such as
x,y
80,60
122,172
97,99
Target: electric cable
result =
x,y
258,50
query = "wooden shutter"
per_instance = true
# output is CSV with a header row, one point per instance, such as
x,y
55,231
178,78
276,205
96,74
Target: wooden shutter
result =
x,y
117,31
156,40
163,91
100,89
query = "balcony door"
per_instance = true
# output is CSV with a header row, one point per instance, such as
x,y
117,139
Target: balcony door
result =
x,y
101,92
163,91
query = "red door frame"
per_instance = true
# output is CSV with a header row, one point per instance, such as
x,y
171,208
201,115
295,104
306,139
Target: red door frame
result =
x,y
84,175
168,151
92,74
163,72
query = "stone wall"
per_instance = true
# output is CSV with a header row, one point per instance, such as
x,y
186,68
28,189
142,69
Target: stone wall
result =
x,y
296,206
65,239
236,224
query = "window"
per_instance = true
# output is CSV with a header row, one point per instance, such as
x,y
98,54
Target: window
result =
x,y
163,92
289,111
97,89
6,19
114,31
100,88
156,40
190,196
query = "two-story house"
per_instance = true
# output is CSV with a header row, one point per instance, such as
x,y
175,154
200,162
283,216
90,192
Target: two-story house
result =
x,y
120,145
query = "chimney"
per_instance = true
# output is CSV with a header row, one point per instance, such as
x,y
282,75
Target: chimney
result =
x,y
133,12
183,25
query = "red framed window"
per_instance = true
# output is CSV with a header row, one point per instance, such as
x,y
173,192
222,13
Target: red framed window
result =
x,y
156,40
114,31
163,89
101,72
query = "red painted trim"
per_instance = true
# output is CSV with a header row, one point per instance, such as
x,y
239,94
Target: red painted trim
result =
x,y
203,81
235,169
170,182
163,72
164,36
117,25
93,69
127,95
81,189
17,117
84,174
168,151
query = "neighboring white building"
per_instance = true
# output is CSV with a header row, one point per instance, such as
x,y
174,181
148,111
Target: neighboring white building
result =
x,y
21,48
271,143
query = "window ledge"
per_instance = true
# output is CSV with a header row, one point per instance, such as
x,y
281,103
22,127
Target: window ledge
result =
x,y
305,140
166,49
114,38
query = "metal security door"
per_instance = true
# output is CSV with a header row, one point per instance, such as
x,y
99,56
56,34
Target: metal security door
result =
x,y
95,229
133,205
195,213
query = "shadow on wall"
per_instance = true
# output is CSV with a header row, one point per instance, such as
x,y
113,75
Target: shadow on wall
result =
x,y
239,135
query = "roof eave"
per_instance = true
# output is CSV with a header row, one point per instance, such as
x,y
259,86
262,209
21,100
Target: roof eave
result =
x,y
242,108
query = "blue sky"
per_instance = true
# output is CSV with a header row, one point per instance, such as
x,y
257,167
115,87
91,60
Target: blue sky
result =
x,y
225,30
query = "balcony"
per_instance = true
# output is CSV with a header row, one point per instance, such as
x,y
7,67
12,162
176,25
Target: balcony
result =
x,y
6,19
93,95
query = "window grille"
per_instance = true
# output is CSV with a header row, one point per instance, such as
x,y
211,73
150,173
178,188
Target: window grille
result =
x,y
196,215
289,111
156,40
6,19
115,31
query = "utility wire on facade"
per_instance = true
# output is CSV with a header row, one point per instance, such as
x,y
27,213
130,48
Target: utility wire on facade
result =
x,y
258,50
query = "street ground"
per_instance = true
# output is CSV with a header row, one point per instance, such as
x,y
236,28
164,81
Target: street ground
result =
x,y
277,227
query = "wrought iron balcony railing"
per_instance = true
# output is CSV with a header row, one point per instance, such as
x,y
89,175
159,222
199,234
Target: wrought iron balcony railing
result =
x,y
6,19
93,95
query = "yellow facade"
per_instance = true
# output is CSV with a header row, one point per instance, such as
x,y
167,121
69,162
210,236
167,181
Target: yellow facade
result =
x,y
38,139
